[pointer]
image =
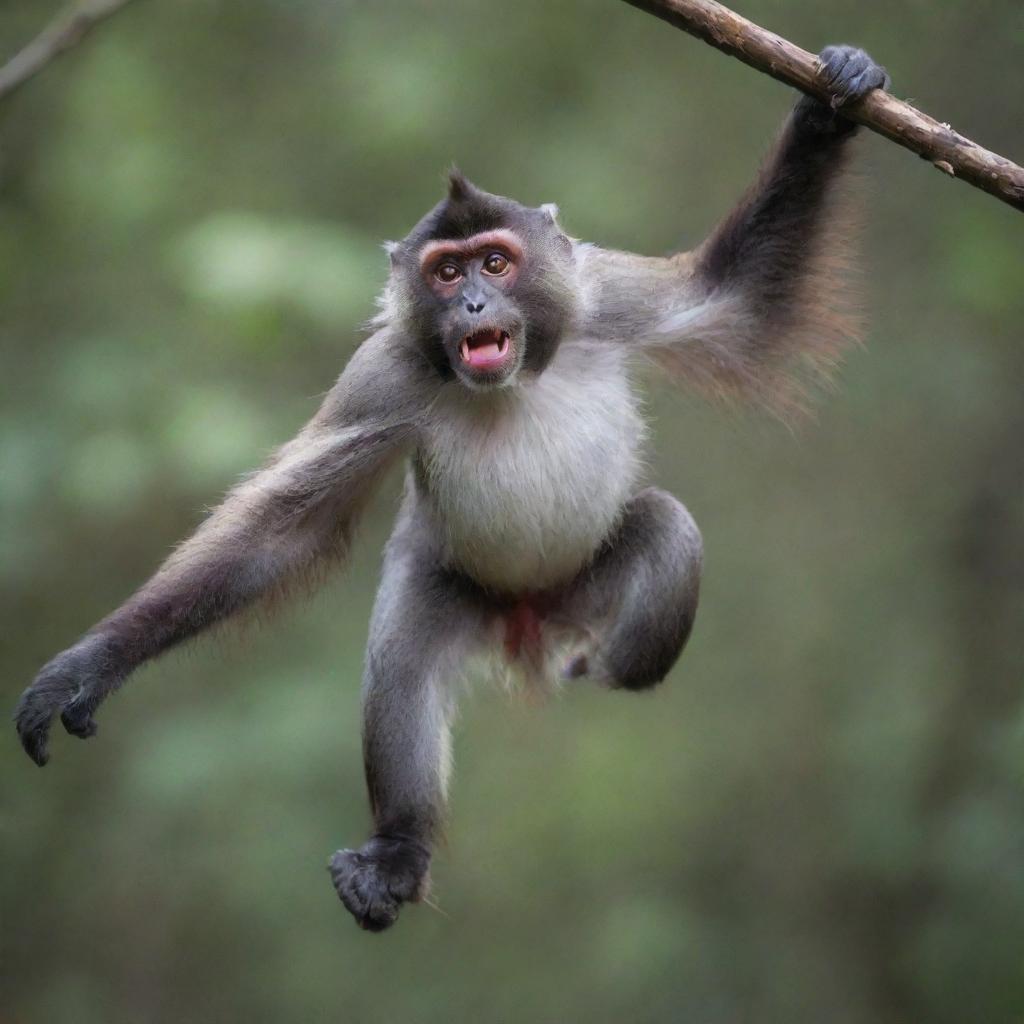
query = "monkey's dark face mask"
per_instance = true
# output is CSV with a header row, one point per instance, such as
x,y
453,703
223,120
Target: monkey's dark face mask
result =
x,y
489,286
481,326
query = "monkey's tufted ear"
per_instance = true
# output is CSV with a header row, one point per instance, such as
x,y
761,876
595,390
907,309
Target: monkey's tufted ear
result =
x,y
551,209
392,249
460,187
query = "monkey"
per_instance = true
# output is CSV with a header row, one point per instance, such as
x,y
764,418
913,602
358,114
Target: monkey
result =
x,y
500,368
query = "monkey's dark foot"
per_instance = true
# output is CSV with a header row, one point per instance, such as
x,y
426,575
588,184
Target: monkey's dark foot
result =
x,y
621,669
577,667
637,657
375,880
587,664
849,74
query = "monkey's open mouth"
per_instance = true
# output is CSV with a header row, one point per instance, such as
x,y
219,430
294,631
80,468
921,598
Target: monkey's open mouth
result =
x,y
486,349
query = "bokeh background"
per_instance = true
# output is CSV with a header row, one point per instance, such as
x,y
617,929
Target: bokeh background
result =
x,y
820,817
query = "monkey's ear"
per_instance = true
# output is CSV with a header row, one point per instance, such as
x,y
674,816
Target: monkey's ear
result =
x,y
392,248
460,188
551,209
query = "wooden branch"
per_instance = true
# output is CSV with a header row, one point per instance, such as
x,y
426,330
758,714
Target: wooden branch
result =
x,y
944,148
64,32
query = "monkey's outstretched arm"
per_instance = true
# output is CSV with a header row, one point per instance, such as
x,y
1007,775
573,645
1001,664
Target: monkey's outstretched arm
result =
x,y
760,307
279,526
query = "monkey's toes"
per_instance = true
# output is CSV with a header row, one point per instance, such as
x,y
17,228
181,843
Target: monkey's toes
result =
x,y
364,890
375,881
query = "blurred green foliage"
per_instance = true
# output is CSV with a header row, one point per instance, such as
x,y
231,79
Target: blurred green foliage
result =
x,y
818,818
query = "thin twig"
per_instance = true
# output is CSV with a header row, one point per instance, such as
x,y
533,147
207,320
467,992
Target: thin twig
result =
x,y
944,148
64,32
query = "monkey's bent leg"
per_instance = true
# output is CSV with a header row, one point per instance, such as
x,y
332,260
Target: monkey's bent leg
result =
x,y
638,599
424,623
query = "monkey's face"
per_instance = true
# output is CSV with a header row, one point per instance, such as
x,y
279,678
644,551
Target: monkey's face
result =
x,y
487,286
473,281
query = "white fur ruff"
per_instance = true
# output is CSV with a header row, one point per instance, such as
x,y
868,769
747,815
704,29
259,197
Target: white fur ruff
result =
x,y
526,482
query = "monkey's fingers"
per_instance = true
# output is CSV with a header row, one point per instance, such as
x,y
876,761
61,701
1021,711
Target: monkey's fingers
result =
x,y
850,74
78,721
32,718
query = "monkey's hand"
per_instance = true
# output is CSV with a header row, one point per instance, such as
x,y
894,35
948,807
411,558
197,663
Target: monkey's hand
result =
x,y
68,685
375,880
849,74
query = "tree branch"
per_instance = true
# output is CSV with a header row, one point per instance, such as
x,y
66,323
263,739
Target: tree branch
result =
x,y
64,32
946,149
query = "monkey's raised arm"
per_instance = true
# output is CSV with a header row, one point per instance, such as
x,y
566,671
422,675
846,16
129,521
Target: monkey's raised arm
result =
x,y
761,308
278,526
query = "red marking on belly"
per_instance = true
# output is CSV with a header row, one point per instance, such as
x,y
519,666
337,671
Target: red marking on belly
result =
x,y
523,632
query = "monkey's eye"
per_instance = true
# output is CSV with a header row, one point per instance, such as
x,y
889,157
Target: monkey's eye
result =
x,y
448,273
495,264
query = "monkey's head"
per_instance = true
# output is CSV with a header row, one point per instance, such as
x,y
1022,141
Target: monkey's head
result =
x,y
486,285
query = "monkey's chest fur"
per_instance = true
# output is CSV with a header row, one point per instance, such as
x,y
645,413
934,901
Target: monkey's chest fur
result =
x,y
525,483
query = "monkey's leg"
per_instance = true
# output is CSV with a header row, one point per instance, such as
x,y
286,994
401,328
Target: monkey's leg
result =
x,y
424,623
638,599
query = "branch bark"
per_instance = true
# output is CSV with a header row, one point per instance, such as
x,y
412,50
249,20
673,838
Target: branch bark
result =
x,y
944,148
64,32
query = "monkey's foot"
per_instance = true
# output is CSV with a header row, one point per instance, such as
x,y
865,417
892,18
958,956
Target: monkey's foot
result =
x,y
374,881
634,660
587,664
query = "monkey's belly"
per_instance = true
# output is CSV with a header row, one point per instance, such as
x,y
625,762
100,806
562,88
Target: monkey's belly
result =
x,y
525,484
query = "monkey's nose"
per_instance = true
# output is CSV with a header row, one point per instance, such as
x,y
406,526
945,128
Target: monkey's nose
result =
x,y
475,307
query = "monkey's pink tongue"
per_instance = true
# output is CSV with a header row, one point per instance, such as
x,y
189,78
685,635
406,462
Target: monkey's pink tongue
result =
x,y
484,354
484,351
